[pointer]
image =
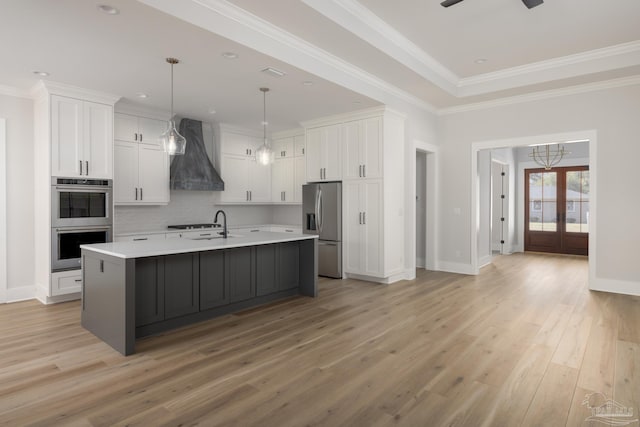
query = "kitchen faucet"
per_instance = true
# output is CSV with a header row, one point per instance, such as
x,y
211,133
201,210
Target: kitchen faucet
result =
x,y
224,232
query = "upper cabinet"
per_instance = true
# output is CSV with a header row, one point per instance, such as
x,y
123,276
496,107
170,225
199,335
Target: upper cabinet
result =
x,y
362,149
323,153
81,138
288,169
246,181
138,129
141,170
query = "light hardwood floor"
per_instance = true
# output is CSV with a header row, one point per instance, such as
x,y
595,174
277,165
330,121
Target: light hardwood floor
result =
x,y
520,344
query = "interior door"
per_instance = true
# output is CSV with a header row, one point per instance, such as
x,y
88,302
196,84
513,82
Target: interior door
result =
x,y
557,210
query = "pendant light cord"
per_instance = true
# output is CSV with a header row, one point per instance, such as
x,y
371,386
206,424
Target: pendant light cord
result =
x,y
171,92
264,117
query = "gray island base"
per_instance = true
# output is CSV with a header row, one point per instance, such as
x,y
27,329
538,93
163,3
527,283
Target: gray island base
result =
x,y
135,289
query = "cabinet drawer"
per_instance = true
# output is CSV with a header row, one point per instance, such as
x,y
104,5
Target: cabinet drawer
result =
x,y
139,237
66,282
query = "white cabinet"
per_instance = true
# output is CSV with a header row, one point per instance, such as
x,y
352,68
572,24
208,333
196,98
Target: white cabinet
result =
x,y
362,149
282,179
141,170
363,232
245,180
66,282
81,138
283,147
323,154
288,169
299,178
138,129
298,145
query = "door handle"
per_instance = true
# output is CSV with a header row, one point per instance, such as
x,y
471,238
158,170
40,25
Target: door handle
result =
x,y
140,137
360,217
364,171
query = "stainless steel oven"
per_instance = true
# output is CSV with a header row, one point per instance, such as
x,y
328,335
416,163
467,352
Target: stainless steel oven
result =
x,y
66,241
81,202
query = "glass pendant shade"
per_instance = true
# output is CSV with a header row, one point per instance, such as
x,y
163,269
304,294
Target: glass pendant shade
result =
x,y
264,154
173,143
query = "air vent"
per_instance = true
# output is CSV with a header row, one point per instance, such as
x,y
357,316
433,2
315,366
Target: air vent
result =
x,y
274,72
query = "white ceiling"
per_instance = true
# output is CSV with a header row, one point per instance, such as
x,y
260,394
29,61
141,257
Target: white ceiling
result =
x,y
413,50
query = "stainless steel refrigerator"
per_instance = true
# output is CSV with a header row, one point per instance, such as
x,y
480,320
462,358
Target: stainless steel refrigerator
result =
x,y
322,215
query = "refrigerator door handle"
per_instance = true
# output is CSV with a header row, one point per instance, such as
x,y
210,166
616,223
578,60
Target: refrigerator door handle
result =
x,y
317,210
320,211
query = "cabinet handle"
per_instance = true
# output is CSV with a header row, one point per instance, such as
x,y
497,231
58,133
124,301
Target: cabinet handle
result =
x,y
140,137
80,167
78,280
136,193
205,234
246,196
303,150
288,231
87,168
364,171
141,194
360,171
140,238
364,217
250,195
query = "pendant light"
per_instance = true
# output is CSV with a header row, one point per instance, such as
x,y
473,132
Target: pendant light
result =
x,y
546,156
172,141
264,154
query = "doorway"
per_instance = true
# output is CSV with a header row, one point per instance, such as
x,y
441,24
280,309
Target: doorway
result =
x,y
557,210
3,211
421,209
500,215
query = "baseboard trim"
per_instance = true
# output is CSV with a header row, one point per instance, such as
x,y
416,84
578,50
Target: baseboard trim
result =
x,y
383,280
22,293
614,286
455,267
420,263
484,261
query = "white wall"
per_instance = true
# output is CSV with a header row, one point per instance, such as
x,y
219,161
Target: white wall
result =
x,y
18,113
484,211
613,114
3,211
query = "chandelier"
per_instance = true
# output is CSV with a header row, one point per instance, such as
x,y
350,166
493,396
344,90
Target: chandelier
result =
x,y
546,156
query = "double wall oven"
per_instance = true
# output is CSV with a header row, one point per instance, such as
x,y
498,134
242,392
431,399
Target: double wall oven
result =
x,y
81,213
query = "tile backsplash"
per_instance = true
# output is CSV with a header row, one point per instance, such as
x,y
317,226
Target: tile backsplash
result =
x,y
187,207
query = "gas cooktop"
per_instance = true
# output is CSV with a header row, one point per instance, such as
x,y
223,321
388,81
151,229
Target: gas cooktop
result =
x,y
192,226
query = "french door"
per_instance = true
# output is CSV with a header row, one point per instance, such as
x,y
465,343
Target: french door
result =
x,y
557,210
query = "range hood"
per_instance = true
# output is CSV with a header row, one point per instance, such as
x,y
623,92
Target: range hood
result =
x,y
194,170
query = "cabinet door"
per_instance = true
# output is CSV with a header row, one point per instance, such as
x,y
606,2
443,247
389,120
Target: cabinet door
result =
x,y
214,291
283,147
181,285
298,145
98,140
352,229
240,274
66,137
371,200
149,290
234,143
371,147
259,182
149,130
288,265
331,153
351,137
283,180
153,174
266,280
313,160
234,170
299,180
125,179
125,127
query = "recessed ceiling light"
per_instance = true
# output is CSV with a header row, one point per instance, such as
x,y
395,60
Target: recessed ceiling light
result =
x,y
308,83
109,10
480,61
41,73
230,55
142,95
212,111
273,72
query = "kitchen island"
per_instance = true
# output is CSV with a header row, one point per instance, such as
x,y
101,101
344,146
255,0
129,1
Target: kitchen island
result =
x,y
136,289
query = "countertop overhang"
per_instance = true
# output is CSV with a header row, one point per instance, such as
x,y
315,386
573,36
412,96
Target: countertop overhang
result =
x,y
161,247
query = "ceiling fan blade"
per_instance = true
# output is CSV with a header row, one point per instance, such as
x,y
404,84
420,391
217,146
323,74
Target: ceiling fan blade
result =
x,y
532,3
447,3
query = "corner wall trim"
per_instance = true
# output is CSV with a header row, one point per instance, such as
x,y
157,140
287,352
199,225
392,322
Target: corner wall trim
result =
x,y
456,267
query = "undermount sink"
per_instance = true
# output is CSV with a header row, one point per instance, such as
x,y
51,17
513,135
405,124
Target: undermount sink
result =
x,y
214,237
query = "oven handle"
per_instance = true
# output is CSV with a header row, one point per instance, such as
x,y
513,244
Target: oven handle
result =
x,y
83,189
81,229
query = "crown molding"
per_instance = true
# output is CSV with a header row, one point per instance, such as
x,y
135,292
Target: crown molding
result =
x,y
593,61
15,92
230,21
352,116
289,133
62,89
359,20
554,93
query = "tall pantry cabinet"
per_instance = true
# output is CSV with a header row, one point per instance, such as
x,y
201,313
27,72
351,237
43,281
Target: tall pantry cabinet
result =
x,y
371,157
73,139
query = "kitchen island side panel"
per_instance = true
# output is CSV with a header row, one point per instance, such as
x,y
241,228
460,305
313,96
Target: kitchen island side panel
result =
x,y
108,299
308,270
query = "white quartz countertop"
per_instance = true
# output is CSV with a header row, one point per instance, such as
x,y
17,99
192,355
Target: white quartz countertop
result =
x,y
148,248
176,230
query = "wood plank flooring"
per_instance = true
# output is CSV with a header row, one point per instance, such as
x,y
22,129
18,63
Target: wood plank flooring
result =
x,y
523,343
